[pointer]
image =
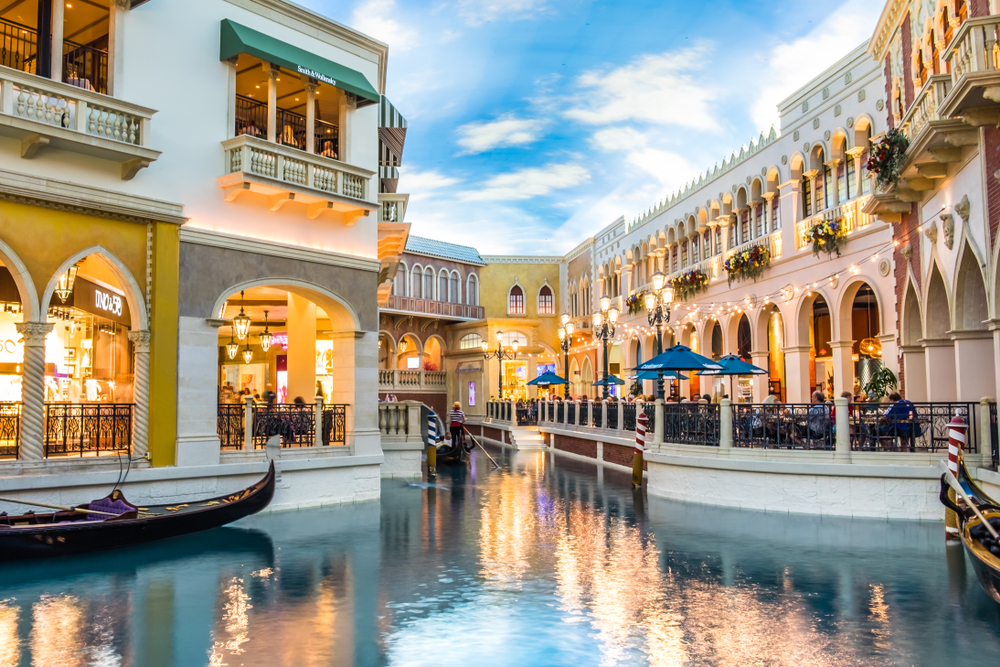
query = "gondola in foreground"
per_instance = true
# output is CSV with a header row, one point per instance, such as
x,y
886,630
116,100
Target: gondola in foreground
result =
x,y
33,535
975,538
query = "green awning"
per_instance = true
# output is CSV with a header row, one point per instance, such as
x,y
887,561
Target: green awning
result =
x,y
237,39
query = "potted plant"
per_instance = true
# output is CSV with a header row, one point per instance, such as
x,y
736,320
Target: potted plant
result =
x,y
746,264
882,382
827,236
887,158
636,388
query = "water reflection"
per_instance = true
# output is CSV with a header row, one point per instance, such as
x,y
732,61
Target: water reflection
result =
x,y
544,562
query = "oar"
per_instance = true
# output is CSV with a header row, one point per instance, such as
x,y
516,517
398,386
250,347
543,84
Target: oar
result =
x,y
953,483
56,507
480,446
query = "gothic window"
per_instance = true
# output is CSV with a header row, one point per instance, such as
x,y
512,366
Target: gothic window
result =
x,y
515,301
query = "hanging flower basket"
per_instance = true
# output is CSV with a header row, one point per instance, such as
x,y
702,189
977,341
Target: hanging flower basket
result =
x,y
887,157
748,264
689,284
634,304
828,236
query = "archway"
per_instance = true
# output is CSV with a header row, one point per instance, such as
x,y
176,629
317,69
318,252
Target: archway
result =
x,y
409,355
939,350
772,329
433,353
615,367
574,377
386,352
974,343
819,334
914,366
587,378
866,327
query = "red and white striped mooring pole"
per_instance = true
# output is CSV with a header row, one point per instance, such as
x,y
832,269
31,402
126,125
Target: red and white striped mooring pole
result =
x,y
640,441
957,430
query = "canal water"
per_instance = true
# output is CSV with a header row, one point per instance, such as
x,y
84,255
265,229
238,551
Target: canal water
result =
x,y
547,561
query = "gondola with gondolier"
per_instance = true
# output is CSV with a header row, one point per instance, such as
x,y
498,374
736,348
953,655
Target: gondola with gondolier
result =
x,y
979,526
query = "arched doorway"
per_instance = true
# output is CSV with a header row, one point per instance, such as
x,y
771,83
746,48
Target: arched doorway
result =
x,y
774,334
866,328
939,350
744,347
386,352
820,350
433,354
574,378
974,346
409,353
615,366
914,366
587,378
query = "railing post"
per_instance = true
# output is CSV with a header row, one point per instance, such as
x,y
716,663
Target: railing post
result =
x,y
576,413
725,424
318,436
248,423
984,434
604,414
413,421
7,97
658,426
842,444
621,415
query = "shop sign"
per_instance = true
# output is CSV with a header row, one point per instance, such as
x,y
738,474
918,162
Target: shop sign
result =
x,y
101,301
111,303
313,74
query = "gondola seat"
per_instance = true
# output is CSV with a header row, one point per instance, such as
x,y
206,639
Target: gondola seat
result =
x,y
106,505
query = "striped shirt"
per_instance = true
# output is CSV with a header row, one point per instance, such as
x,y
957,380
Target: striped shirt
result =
x,y
456,416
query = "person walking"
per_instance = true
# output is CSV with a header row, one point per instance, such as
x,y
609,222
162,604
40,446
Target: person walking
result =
x,y
456,419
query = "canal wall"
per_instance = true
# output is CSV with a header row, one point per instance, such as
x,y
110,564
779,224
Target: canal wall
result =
x,y
885,485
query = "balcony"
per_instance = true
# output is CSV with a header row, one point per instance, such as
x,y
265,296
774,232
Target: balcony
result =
x,y
852,213
284,174
412,380
408,305
392,207
973,58
45,113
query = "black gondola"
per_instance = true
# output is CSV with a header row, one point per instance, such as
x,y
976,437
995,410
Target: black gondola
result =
x,y
985,563
451,454
33,535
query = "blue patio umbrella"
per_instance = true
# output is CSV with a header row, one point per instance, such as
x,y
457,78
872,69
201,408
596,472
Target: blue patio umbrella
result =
x,y
676,358
733,365
547,379
653,375
610,380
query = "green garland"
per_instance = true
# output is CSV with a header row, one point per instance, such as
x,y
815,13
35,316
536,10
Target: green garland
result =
x,y
828,236
887,158
634,304
748,264
689,284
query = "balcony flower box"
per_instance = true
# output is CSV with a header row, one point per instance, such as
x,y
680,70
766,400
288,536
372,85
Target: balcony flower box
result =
x,y
748,264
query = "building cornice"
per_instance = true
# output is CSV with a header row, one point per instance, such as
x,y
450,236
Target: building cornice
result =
x,y
443,258
885,28
215,239
87,200
322,28
524,259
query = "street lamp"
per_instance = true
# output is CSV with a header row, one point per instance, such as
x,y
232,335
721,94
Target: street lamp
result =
x,y
658,303
565,341
604,330
500,354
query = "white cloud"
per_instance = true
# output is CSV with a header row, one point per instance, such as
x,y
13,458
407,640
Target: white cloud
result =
x,y
652,88
424,181
668,167
528,183
507,130
372,18
790,66
477,12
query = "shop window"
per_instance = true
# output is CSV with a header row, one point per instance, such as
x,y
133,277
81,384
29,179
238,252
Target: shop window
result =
x,y
546,302
515,301
470,341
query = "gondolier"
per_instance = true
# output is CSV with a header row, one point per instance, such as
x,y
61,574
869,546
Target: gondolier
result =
x,y
456,422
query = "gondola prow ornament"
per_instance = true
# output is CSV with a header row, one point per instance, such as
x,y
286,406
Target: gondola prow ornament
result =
x,y
957,431
640,442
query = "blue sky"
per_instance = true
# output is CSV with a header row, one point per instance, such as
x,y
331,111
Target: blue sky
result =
x,y
535,123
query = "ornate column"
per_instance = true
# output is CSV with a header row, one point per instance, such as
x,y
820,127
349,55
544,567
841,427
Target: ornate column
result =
x,y
271,73
58,18
835,182
140,394
843,366
311,87
760,359
768,222
855,154
32,446
116,43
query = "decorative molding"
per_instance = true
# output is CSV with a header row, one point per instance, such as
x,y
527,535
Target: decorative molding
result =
x,y
964,208
948,227
215,239
931,231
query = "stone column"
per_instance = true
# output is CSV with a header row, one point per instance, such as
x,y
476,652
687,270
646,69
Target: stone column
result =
x,y
939,359
658,426
761,359
346,117
271,72
116,46
843,366
32,446
310,87
842,445
58,16
318,436
797,374
725,221
140,394
789,211
973,353
576,413
604,414
835,182
621,415
726,424
248,423
855,155
301,356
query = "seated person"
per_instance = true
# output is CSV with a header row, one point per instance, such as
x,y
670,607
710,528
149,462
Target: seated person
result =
x,y
818,417
898,419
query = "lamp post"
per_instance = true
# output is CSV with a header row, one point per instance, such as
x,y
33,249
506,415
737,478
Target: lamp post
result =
x,y
658,303
604,330
500,354
565,341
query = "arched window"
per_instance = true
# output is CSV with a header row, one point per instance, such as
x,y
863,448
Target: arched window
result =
x,y
546,302
470,341
428,283
442,294
399,284
827,186
455,292
508,338
472,290
515,301
416,282
806,197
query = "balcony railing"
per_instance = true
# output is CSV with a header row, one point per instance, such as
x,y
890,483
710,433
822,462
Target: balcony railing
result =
x,y
851,213
772,242
925,108
83,66
974,47
91,429
411,380
295,424
411,304
393,207
290,127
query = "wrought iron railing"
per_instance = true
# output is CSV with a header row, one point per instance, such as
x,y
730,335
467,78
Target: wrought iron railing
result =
x,y
230,425
18,47
585,412
571,412
87,428
613,415
527,415
326,139
628,416
650,410
560,412
597,414
251,117
691,424
296,424
994,436
10,429
922,427
786,425
86,67
335,424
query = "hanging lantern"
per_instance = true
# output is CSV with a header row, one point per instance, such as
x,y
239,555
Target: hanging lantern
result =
x,y
232,347
266,337
241,323
64,286
247,354
402,346
871,346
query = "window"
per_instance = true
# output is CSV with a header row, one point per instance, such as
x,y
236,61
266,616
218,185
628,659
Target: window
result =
x,y
852,190
454,293
775,216
399,284
413,363
515,301
428,283
824,198
843,191
759,222
472,291
508,338
470,341
416,282
718,239
472,394
442,294
546,303
806,197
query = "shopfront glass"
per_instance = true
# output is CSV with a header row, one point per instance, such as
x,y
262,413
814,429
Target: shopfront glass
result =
x,y
515,380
